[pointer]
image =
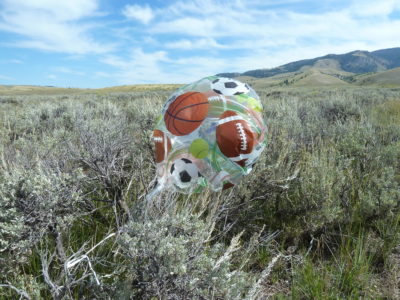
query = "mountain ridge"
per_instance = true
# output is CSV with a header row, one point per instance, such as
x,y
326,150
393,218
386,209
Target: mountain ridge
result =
x,y
356,62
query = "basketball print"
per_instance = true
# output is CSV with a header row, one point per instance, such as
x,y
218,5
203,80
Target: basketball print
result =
x,y
186,113
162,145
234,136
209,135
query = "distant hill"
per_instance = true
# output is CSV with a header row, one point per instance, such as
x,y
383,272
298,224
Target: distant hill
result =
x,y
34,89
387,78
50,90
356,62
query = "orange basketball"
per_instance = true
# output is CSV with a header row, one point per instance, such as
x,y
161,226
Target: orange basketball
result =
x,y
186,113
162,144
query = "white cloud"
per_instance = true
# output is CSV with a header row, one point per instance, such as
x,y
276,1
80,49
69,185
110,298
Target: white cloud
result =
x,y
67,70
159,67
245,27
140,67
203,43
143,14
3,77
190,26
369,8
206,18
52,25
101,74
186,40
60,10
210,8
259,38
51,76
16,61
11,61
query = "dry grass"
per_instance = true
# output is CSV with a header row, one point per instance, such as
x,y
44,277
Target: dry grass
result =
x,y
316,219
49,90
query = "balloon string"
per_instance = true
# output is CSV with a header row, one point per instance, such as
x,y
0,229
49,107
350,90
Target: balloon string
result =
x,y
155,191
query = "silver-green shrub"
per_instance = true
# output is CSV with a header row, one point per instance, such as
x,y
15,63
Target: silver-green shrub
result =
x,y
172,257
75,169
34,202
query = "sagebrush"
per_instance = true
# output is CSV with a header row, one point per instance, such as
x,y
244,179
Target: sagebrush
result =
x,y
318,218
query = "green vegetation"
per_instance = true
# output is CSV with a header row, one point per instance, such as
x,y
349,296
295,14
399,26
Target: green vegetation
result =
x,y
318,218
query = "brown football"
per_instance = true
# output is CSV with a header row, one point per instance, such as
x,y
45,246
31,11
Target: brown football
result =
x,y
162,145
234,136
227,185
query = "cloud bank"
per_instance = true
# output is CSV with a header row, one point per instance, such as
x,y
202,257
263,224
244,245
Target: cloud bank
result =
x,y
180,41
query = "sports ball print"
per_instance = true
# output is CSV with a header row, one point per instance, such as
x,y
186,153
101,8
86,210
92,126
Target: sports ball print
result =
x,y
162,145
186,113
234,136
229,87
184,172
208,135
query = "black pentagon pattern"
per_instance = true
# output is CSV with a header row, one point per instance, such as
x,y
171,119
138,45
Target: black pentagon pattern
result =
x,y
230,85
217,91
215,80
172,168
185,177
187,160
198,174
238,93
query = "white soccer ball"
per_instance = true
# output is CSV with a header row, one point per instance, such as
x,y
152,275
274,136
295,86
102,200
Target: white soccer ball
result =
x,y
184,172
229,87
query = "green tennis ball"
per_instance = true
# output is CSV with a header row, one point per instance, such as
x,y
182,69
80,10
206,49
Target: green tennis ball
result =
x,y
199,148
250,102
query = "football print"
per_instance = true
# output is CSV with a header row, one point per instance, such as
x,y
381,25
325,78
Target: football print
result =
x,y
234,136
217,103
229,87
209,135
162,145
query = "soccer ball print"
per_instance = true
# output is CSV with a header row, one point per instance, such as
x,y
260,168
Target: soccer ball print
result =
x,y
209,135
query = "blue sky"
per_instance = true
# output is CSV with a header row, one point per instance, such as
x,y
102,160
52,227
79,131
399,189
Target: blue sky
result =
x,y
99,43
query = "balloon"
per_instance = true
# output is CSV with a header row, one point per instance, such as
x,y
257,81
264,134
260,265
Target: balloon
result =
x,y
209,135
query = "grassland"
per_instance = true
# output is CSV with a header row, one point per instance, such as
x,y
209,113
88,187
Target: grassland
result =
x,y
51,90
389,78
318,218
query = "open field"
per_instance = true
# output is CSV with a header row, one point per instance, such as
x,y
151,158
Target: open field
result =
x,y
50,90
318,218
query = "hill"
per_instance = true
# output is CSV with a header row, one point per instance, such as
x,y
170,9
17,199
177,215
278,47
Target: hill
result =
x,y
32,89
356,62
387,78
51,90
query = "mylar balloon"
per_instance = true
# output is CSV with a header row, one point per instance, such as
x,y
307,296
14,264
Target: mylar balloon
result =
x,y
209,134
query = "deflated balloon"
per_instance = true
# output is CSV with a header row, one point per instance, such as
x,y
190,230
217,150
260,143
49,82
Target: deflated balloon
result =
x,y
209,135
